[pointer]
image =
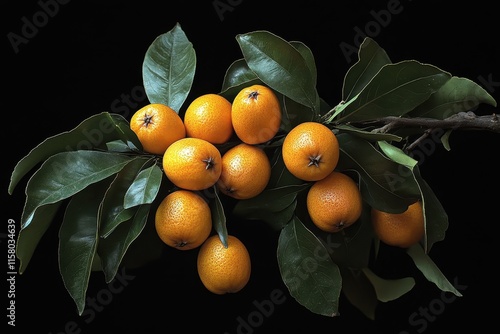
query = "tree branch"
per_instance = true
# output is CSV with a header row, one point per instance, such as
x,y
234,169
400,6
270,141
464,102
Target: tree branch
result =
x,y
460,121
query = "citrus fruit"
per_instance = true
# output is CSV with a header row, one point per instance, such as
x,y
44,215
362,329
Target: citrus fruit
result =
x,y
183,220
157,126
399,229
209,117
246,170
224,270
192,163
334,202
310,151
256,114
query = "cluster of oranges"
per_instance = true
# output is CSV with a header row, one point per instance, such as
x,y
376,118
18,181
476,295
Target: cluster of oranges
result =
x,y
193,162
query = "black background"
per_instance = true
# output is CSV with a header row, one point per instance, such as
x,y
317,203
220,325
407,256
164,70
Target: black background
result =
x,y
88,56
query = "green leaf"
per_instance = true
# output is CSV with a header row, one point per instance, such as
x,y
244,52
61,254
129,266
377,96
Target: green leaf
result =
x,y
144,188
168,68
430,270
307,270
112,211
270,200
456,95
280,66
389,289
218,217
394,91
436,218
445,140
280,175
371,58
353,247
386,185
237,77
30,236
65,174
396,154
112,249
93,132
359,291
78,238
308,56
296,113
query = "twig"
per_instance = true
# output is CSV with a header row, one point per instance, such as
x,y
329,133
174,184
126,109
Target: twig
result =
x,y
460,121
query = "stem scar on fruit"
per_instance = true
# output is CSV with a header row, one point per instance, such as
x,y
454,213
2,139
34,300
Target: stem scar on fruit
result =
x,y
253,95
148,119
210,162
340,226
314,160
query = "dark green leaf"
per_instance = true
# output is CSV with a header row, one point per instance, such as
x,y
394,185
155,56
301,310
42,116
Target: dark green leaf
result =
x,y
147,247
359,291
94,132
430,270
371,58
394,91
386,185
112,211
30,236
218,217
78,238
112,249
65,174
389,289
280,66
308,56
270,200
168,68
278,217
238,76
351,248
144,188
276,220
296,113
456,95
436,218
280,175
307,269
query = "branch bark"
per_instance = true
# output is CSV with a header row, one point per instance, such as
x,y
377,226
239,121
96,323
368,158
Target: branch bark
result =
x,y
460,121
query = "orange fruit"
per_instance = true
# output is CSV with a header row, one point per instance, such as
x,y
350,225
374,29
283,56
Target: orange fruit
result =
x,y
192,163
310,151
400,229
183,220
256,114
246,170
209,117
157,126
224,270
334,202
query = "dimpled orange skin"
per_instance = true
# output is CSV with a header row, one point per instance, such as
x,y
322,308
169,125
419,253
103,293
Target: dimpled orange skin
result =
x,y
310,151
209,117
224,270
183,220
157,126
256,114
192,163
400,229
334,203
246,171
